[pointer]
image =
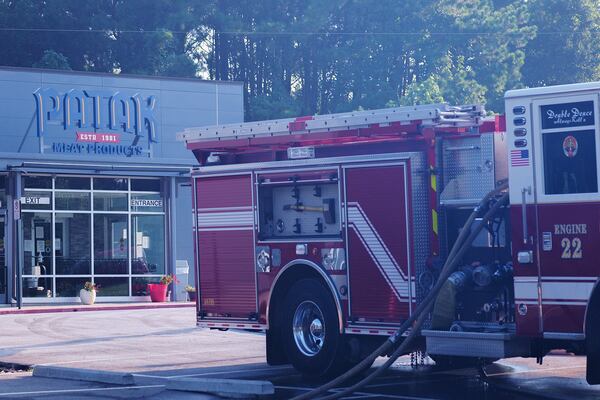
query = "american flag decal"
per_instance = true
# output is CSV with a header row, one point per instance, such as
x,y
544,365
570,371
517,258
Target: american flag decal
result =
x,y
519,158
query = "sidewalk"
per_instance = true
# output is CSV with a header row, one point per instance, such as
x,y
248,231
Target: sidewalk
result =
x,y
76,307
153,342
128,340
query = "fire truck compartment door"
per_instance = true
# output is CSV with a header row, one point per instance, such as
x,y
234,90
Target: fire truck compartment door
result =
x,y
225,246
566,158
379,242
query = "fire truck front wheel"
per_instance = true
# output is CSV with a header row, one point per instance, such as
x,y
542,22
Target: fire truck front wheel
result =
x,y
310,330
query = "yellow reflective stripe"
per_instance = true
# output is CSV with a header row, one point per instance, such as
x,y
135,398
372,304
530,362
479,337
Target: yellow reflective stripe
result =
x,y
434,183
434,220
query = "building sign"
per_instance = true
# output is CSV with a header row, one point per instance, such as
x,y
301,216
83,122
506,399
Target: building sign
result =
x,y
97,122
567,115
35,200
146,203
90,137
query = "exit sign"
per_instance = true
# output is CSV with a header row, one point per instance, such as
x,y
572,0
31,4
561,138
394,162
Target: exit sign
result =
x,y
35,200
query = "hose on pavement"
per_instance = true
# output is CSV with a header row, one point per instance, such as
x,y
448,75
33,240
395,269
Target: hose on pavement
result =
x,y
418,317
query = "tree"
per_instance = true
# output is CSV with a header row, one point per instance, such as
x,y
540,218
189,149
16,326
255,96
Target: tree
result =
x,y
567,48
309,56
424,92
53,60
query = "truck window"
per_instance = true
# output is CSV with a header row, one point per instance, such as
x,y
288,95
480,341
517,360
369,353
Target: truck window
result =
x,y
291,210
570,162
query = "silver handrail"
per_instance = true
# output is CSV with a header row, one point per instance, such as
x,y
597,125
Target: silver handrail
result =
x,y
524,193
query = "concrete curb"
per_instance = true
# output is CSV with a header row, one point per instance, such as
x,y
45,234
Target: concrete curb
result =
x,y
79,374
82,308
231,388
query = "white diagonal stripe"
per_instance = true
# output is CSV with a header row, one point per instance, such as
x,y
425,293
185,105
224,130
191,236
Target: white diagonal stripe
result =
x,y
378,251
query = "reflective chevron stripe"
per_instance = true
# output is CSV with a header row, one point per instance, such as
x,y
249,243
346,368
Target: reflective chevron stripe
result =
x,y
381,255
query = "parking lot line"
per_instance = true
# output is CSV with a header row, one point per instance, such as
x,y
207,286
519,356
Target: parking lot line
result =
x,y
65,391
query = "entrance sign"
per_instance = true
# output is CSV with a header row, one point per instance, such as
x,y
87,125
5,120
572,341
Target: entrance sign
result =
x,y
146,203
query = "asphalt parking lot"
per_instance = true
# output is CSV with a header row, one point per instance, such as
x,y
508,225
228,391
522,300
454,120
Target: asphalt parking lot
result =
x,y
160,345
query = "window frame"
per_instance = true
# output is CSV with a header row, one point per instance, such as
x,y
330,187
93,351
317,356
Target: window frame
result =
x,y
53,211
538,148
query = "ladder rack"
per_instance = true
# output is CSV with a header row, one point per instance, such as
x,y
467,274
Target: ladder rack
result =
x,y
433,115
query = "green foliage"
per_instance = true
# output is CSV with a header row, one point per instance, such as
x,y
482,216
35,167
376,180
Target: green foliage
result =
x,y
309,56
424,92
566,49
53,60
279,102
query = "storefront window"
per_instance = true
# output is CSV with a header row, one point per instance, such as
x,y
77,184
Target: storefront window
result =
x,y
145,185
112,286
139,285
3,270
111,184
110,231
110,201
70,287
37,182
111,243
3,188
151,202
72,201
72,246
36,200
37,245
72,182
149,249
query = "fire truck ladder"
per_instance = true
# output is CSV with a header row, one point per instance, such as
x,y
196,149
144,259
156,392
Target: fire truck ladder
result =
x,y
433,115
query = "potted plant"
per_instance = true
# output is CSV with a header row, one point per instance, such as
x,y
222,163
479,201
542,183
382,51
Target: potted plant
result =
x,y
158,291
191,291
88,293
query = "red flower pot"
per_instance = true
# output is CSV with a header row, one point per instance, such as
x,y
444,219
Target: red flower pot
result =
x,y
158,292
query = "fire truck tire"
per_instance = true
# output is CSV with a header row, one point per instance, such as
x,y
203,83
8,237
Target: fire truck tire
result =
x,y
310,332
592,341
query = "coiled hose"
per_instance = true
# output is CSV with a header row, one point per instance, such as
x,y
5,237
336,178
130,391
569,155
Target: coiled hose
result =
x,y
461,245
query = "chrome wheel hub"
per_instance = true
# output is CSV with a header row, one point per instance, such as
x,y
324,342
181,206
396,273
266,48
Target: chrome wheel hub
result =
x,y
309,328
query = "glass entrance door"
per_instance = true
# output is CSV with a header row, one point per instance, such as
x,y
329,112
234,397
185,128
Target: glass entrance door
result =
x,y
3,267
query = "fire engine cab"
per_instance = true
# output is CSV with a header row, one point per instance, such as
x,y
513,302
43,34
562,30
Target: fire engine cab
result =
x,y
327,232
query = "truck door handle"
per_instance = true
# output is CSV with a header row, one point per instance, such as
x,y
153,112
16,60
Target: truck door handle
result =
x,y
524,193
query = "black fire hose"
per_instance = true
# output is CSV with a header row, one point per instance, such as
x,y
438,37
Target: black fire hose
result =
x,y
416,329
420,313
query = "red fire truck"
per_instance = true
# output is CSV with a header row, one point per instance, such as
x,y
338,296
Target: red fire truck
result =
x,y
326,232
